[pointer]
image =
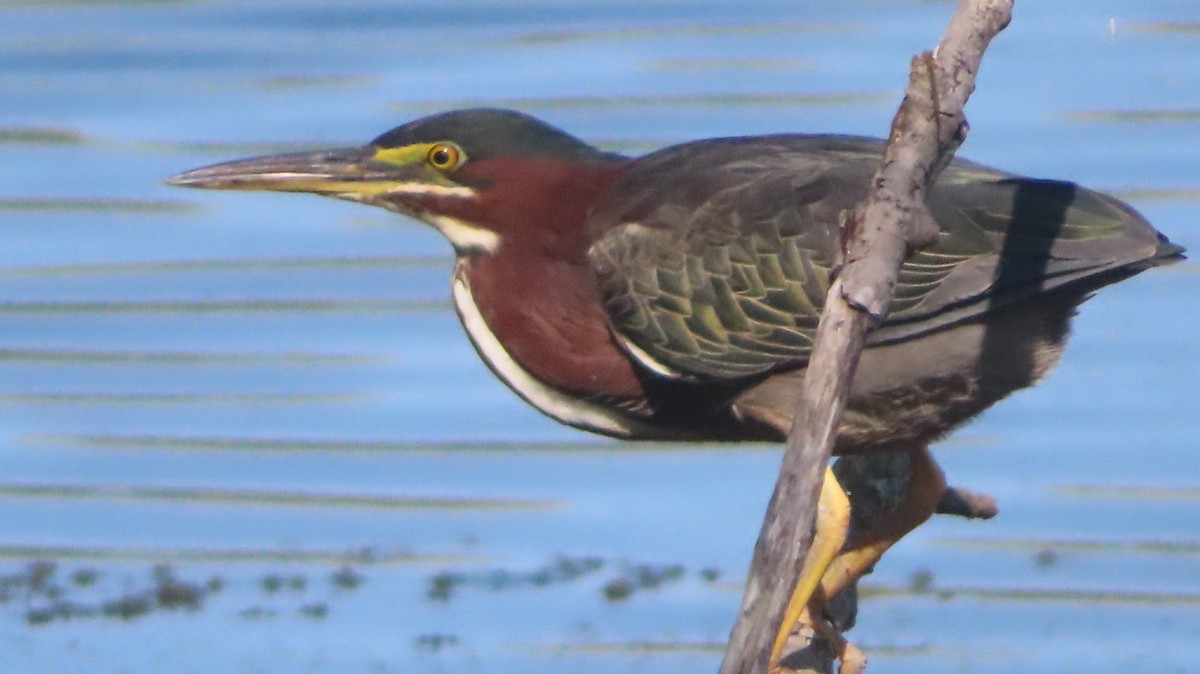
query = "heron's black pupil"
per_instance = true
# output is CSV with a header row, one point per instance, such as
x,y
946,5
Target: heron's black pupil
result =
x,y
441,157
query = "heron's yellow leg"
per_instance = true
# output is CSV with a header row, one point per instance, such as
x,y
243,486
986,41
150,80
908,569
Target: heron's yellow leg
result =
x,y
833,520
926,485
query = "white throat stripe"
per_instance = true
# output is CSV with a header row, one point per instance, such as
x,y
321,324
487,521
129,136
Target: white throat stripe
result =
x,y
464,236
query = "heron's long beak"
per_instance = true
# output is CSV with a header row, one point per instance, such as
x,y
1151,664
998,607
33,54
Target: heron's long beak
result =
x,y
349,172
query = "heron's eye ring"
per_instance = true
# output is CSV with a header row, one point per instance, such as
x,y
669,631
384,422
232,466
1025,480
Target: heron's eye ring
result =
x,y
443,156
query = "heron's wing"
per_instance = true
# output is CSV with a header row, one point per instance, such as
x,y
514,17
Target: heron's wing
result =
x,y
713,258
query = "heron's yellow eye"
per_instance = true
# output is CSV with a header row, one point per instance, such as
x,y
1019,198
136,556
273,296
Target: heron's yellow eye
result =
x,y
444,156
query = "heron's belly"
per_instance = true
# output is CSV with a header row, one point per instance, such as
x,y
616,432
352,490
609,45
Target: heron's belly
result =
x,y
910,393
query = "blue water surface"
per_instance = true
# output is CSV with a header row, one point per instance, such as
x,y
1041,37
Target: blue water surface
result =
x,y
268,398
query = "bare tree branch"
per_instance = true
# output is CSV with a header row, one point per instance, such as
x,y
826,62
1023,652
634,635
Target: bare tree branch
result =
x,y
890,222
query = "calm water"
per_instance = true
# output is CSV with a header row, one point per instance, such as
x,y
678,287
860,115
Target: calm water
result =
x,y
260,410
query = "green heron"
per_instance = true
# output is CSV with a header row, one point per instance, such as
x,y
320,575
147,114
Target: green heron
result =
x,y
675,295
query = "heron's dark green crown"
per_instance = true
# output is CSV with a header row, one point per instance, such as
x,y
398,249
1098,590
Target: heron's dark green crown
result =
x,y
490,132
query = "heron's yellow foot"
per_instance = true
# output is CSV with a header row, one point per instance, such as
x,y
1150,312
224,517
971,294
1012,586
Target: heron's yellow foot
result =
x,y
819,637
829,535
851,660
926,485
832,572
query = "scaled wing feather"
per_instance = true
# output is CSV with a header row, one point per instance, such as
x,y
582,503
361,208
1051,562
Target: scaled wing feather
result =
x,y
713,257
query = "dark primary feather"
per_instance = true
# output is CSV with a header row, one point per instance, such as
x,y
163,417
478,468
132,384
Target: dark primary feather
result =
x,y
714,257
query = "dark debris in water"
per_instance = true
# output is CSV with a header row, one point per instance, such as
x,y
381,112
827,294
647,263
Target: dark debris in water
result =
x,y
85,577
435,643
315,611
258,613
41,576
1045,558
271,583
622,579
274,583
921,582
347,578
636,578
561,569
48,601
126,608
47,594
